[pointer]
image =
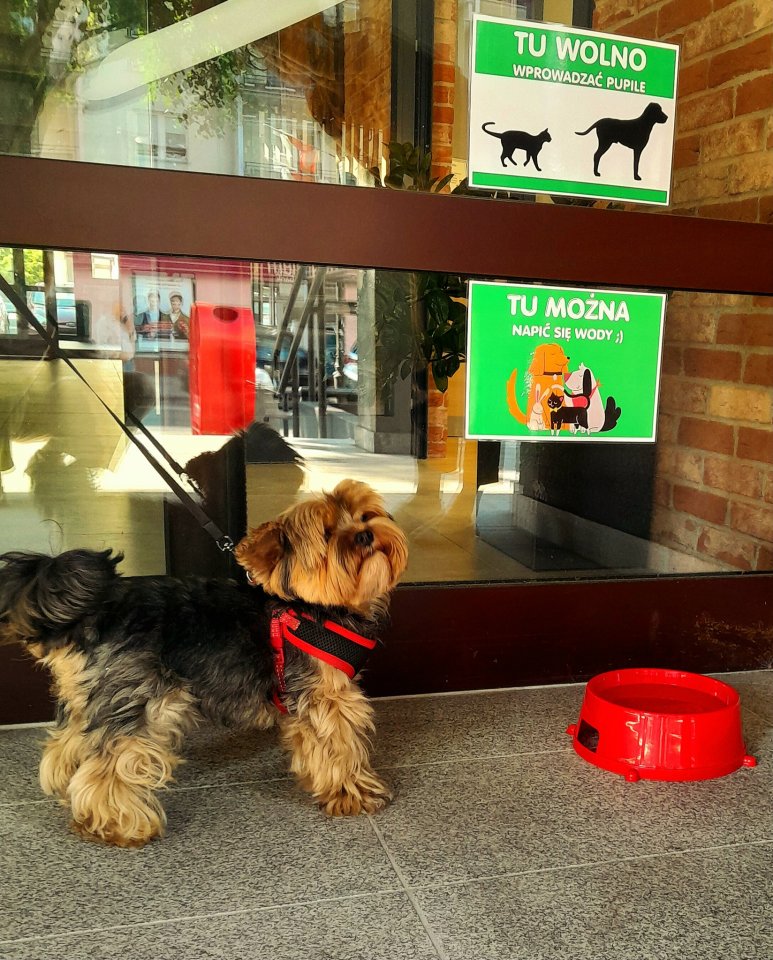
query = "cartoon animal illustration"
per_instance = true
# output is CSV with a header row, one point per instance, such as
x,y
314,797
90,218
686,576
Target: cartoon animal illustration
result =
x,y
549,366
601,417
576,398
513,140
611,415
575,416
536,417
630,133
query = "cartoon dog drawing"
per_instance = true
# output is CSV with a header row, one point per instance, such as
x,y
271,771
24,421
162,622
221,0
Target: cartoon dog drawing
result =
x,y
601,416
549,366
631,133
575,397
513,140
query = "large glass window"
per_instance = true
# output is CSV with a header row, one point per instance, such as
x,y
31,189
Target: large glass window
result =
x,y
359,92
266,379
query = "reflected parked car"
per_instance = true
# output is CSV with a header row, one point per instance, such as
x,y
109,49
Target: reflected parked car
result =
x,y
73,315
265,344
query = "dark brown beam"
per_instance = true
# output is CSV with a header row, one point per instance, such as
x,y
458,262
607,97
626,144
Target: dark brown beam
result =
x,y
476,636
68,205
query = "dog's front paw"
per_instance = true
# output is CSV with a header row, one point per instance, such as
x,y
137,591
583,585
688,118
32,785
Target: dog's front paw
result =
x,y
112,837
354,799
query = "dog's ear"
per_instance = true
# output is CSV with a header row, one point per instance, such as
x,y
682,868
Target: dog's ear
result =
x,y
587,384
261,550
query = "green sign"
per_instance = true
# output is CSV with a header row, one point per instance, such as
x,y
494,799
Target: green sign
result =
x,y
564,111
562,363
577,58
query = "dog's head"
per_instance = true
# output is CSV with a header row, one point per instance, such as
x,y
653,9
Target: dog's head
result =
x,y
339,549
581,380
654,113
549,358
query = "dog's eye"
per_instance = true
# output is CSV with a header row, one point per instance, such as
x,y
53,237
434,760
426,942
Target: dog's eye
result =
x,y
367,516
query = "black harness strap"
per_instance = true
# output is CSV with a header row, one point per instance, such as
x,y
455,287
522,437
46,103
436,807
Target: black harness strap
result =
x,y
223,541
325,640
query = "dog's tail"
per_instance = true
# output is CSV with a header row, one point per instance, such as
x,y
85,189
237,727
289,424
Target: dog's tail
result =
x,y
611,415
491,133
581,133
42,598
512,399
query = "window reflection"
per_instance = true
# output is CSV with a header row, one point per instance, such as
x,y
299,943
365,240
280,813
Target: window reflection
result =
x,y
263,380
231,87
299,90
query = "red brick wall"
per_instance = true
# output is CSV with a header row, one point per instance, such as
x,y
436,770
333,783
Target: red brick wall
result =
x,y
714,489
443,78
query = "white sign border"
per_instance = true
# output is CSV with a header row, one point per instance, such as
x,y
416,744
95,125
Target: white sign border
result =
x,y
560,28
576,438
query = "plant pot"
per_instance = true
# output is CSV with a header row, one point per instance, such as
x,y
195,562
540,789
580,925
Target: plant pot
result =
x,y
437,420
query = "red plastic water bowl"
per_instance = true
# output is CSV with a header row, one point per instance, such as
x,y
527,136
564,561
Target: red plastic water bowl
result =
x,y
661,725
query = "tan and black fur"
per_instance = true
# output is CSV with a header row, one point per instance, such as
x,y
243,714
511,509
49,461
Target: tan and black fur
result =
x,y
137,662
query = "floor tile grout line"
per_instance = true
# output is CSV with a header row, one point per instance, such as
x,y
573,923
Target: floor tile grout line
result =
x,y
408,889
483,691
229,783
26,803
513,874
423,919
479,758
768,721
217,915
417,765
484,758
35,725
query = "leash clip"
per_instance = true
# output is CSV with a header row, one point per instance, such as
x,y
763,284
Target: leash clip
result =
x,y
225,544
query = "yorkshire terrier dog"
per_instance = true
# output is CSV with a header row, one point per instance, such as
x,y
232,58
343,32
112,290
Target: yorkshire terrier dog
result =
x,y
138,662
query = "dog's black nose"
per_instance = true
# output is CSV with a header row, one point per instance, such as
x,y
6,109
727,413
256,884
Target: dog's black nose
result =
x,y
363,538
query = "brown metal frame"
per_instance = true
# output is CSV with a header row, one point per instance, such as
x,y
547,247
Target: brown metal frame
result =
x,y
459,637
67,205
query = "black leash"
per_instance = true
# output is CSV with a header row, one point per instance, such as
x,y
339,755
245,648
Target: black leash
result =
x,y
223,541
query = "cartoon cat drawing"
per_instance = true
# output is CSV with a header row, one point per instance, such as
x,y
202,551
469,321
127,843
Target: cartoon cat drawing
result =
x,y
513,140
562,415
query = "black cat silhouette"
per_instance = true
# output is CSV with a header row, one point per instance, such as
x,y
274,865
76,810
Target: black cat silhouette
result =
x,y
513,140
631,133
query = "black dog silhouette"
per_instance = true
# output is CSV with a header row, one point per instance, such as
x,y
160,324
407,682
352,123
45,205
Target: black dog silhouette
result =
x,y
513,140
631,133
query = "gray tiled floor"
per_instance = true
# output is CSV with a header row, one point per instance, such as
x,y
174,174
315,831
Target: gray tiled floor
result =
x,y
501,843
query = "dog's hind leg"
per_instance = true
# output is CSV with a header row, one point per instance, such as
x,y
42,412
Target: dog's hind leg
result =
x,y
328,736
112,794
66,748
636,156
62,754
602,149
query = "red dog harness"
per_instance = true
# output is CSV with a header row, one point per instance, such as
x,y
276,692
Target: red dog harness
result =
x,y
327,641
